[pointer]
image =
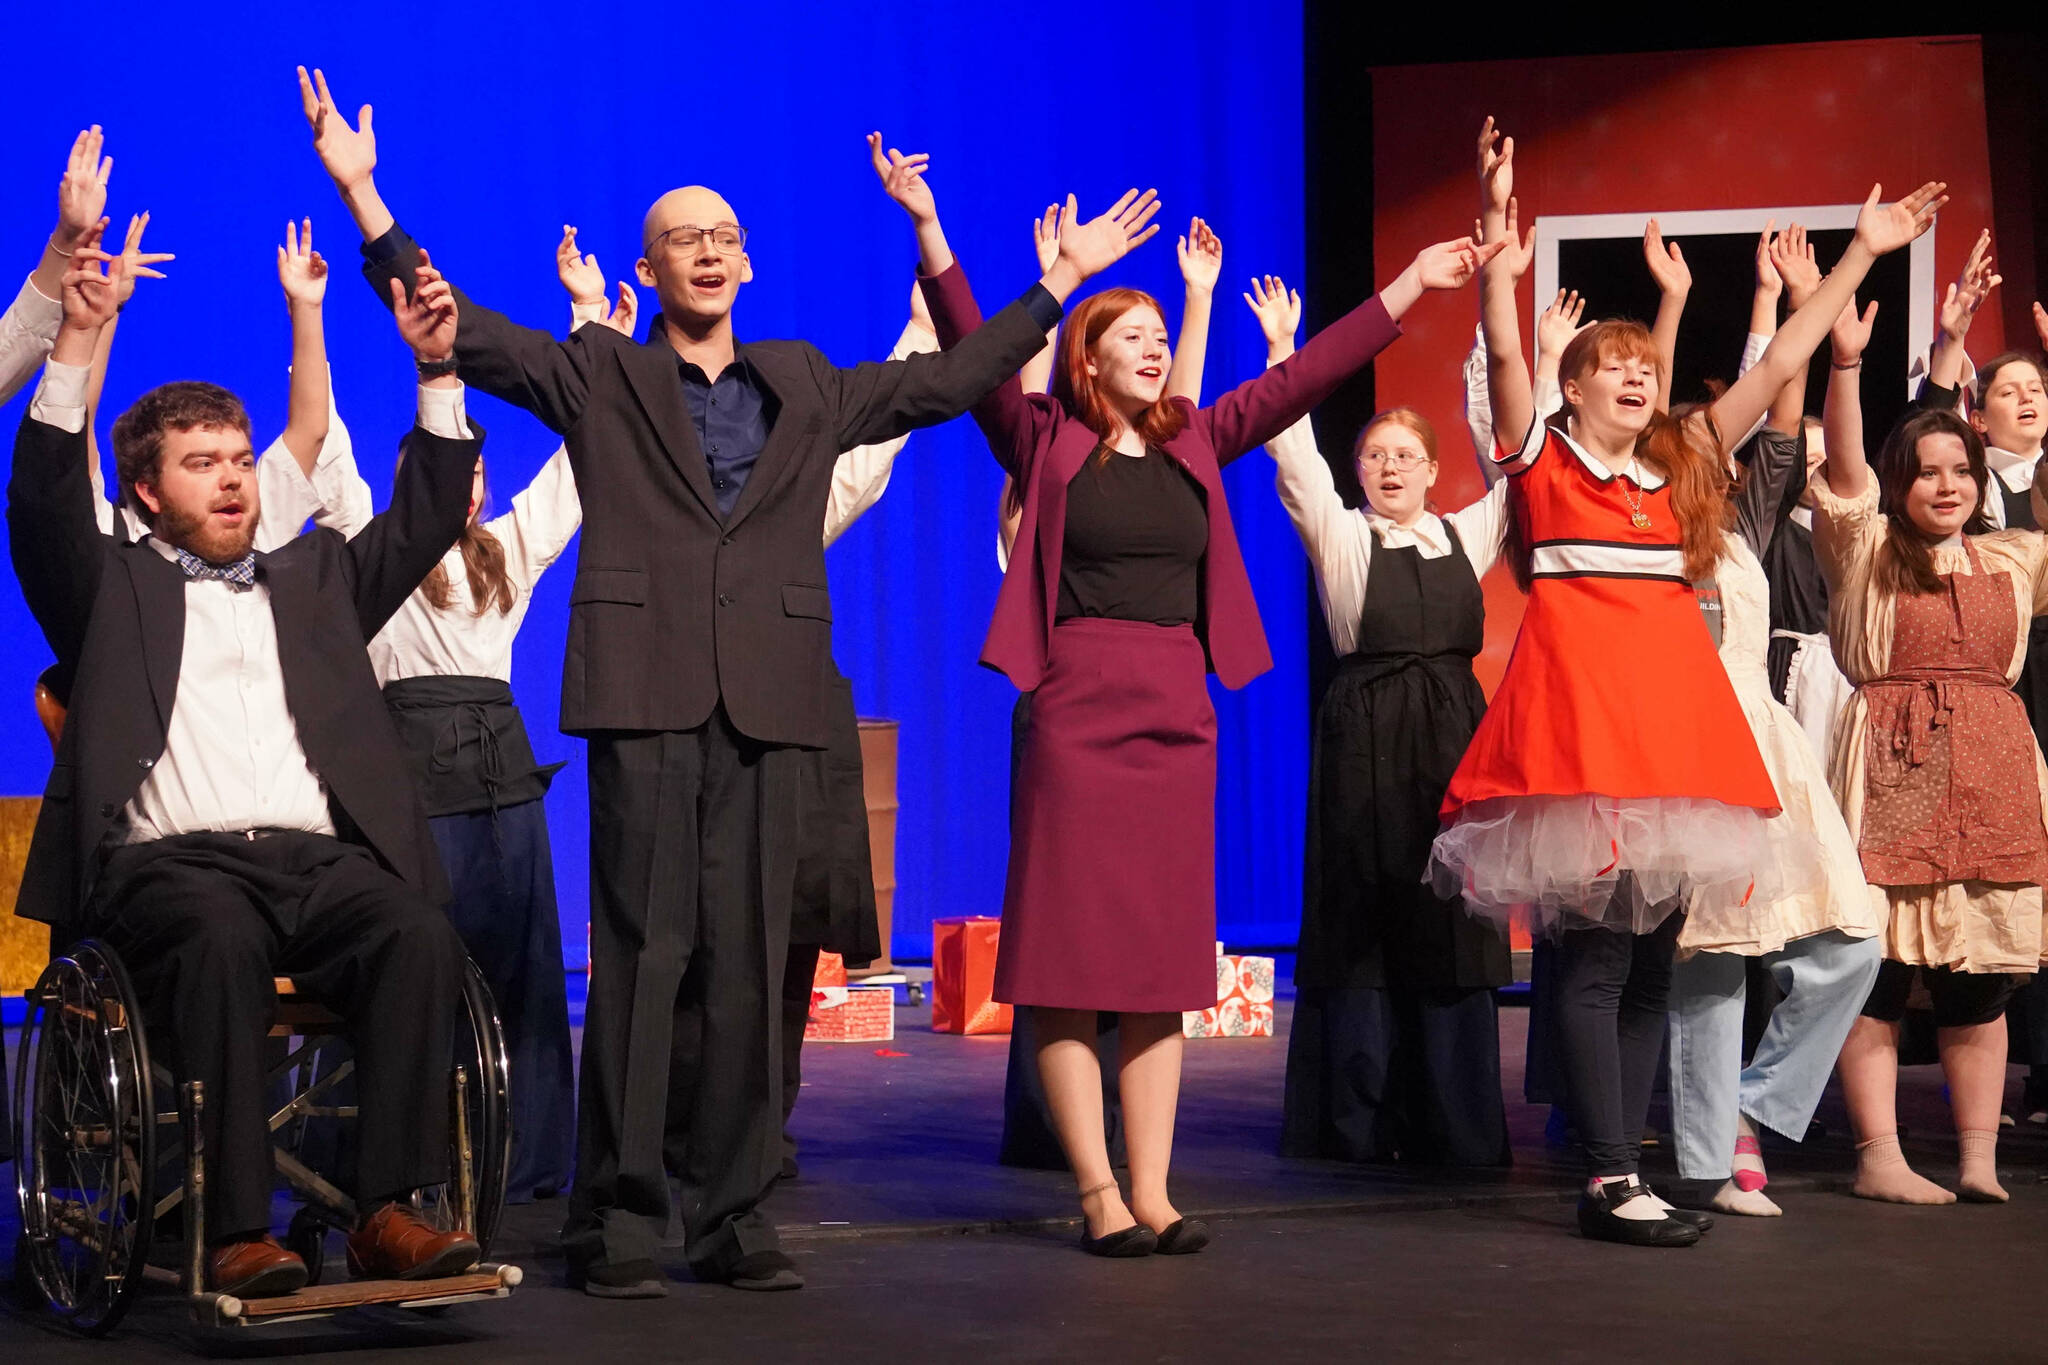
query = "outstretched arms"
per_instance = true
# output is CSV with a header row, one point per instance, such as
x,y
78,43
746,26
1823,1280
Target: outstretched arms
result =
x,y
1036,376
1508,390
30,324
1958,310
1201,265
1848,469
1674,283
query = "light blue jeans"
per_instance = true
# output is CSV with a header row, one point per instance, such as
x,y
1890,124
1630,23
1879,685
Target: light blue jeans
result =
x,y
1825,979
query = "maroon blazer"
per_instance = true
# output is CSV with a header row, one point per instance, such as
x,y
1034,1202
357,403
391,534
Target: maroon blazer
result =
x,y
1043,446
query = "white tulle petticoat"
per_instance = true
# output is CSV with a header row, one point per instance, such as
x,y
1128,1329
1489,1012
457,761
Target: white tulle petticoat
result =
x,y
1623,862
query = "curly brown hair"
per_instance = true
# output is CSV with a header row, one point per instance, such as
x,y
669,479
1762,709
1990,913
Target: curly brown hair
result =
x,y
185,405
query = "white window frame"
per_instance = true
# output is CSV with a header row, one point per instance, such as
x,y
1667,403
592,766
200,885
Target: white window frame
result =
x,y
1556,228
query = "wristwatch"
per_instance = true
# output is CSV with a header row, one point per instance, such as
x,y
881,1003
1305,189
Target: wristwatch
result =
x,y
435,369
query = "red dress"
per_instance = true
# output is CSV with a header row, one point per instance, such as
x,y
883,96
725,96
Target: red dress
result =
x,y
1615,744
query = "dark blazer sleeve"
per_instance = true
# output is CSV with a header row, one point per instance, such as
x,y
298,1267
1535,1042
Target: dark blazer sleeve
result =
x,y
1259,409
58,550
1015,423
522,365
880,400
392,556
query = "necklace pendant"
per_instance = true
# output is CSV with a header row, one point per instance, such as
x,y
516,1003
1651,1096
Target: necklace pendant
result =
x,y
1641,520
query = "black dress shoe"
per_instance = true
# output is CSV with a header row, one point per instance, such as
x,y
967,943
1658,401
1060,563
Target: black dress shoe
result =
x,y
1135,1240
620,1280
759,1271
1182,1237
1696,1218
1599,1222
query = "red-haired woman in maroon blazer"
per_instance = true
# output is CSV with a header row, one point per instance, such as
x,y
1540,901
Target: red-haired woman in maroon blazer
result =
x,y
1124,589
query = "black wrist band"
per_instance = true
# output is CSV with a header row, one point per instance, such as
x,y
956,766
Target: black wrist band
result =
x,y
435,369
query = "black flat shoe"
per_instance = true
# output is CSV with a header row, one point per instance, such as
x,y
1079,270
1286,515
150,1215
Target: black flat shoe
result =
x,y
759,1271
1182,1237
1695,1218
1135,1240
620,1280
1600,1223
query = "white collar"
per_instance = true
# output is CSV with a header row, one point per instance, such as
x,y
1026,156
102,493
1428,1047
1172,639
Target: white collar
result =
x,y
1643,476
2014,471
1954,541
1428,529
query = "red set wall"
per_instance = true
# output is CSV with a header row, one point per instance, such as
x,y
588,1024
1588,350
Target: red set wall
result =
x,y
1749,127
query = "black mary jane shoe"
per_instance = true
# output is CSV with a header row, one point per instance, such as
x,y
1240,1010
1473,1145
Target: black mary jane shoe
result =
x,y
1599,1222
1135,1240
1694,1218
1182,1237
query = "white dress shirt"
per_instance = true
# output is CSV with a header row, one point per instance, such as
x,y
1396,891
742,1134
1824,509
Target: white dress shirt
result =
x,y
1340,540
232,758
2015,472
28,329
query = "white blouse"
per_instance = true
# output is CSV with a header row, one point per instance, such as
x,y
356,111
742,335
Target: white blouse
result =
x,y
1340,540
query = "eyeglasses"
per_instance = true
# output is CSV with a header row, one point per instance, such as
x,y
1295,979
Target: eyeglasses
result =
x,y
1401,459
683,238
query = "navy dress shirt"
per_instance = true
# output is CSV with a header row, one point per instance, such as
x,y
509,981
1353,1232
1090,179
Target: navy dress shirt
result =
x,y
733,417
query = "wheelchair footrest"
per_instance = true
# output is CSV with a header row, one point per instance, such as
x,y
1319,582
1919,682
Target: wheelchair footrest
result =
x,y
485,1282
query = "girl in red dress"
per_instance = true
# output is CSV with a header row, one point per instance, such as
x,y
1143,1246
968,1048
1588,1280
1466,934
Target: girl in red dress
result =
x,y
1614,769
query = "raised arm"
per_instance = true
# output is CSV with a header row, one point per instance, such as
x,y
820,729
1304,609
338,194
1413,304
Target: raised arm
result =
x,y
1958,310
1674,283
430,493
132,265
861,475
1302,476
1880,229
1507,373
57,547
1791,256
522,365
303,273
1201,264
30,324
584,281
1848,469
1036,376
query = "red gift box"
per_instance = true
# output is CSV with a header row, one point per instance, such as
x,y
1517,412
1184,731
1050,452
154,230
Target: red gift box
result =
x,y
831,970
964,976
852,1014
1244,1001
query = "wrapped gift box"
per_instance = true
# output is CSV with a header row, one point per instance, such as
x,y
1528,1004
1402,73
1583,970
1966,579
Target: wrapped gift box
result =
x,y
831,971
964,976
1244,1000
852,1014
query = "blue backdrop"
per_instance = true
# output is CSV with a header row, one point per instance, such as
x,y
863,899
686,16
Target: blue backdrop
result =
x,y
499,123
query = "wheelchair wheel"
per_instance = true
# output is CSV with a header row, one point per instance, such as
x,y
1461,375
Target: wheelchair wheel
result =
x,y
85,1138
480,1052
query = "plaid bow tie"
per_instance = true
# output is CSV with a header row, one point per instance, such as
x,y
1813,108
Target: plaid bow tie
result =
x,y
239,574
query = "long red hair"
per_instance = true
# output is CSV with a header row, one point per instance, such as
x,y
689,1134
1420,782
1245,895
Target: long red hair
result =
x,y
1696,472
1075,388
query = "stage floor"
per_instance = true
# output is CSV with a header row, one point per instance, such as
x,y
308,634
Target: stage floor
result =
x,y
917,1244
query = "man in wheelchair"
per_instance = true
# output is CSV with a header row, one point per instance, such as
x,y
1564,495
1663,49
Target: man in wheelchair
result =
x,y
229,801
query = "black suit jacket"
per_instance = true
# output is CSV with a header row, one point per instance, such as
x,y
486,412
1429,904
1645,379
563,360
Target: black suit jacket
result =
x,y
674,609
115,615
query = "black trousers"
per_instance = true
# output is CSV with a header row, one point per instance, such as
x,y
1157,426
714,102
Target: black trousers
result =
x,y
693,838
800,968
1612,989
1959,999
204,922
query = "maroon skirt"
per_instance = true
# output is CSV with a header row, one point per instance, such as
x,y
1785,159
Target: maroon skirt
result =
x,y
1111,901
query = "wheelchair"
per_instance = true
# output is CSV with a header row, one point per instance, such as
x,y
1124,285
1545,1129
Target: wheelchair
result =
x,y
108,1147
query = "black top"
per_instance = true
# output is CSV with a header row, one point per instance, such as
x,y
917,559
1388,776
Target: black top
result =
x,y
1136,531
733,416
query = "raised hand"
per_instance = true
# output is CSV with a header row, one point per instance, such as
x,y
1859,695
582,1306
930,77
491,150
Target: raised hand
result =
x,y
902,179
1496,168
1960,304
621,318
1201,257
1667,263
300,269
1559,323
1045,237
1769,283
1277,308
1851,333
90,295
1517,248
1452,264
580,275
1094,246
427,319
1792,256
349,154
2041,324
134,263
82,193
1883,228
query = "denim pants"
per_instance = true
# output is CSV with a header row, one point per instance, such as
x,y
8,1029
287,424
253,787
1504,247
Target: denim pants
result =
x,y
1825,979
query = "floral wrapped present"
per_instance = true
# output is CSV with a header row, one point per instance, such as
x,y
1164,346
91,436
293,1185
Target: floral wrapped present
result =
x,y
1244,1000
852,1014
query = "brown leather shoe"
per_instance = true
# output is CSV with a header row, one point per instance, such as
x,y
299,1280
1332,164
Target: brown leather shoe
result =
x,y
397,1244
261,1269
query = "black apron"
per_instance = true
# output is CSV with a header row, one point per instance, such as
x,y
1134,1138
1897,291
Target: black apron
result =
x,y
1390,732
1799,595
468,743
2027,1015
